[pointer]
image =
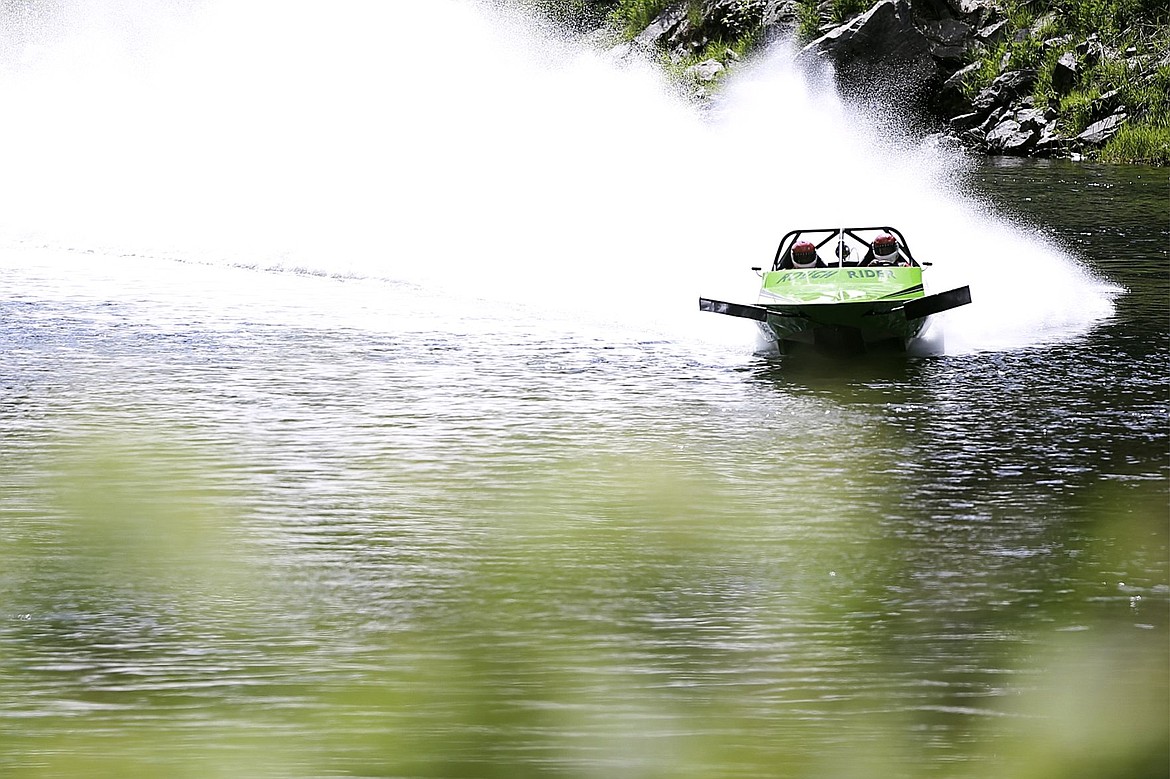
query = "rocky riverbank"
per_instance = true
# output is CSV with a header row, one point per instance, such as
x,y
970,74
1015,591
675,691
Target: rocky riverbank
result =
x,y
1010,78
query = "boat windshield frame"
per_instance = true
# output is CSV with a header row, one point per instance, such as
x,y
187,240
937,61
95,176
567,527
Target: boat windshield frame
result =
x,y
837,235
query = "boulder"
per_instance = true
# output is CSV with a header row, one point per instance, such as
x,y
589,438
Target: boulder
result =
x,y
993,119
959,77
978,16
950,39
951,99
1006,88
707,70
1010,137
666,26
975,9
993,33
1031,119
964,122
1106,105
1065,73
779,14
1098,133
1050,142
680,32
974,139
881,43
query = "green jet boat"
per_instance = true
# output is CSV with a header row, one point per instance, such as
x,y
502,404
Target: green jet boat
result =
x,y
847,289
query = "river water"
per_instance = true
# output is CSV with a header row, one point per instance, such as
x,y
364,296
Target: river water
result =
x,y
325,515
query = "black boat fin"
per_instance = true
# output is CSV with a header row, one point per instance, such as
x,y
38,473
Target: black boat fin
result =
x,y
733,309
936,304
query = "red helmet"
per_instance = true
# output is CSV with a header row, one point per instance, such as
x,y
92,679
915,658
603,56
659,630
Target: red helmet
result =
x,y
804,252
884,245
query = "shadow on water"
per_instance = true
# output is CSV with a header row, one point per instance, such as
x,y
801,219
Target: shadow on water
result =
x,y
850,377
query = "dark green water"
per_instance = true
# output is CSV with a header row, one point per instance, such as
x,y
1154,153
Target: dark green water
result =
x,y
264,524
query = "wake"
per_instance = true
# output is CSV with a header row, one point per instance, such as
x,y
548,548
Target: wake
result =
x,y
505,162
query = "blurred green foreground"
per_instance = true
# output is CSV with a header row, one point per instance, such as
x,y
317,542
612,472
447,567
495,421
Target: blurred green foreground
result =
x,y
591,617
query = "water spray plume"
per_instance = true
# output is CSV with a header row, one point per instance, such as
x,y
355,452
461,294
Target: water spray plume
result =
x,y
496,158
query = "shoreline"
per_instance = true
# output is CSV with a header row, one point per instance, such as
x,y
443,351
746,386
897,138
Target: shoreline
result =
x,y
997,78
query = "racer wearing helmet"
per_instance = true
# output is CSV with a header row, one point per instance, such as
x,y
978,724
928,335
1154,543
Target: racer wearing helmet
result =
x,y
885,251
804,255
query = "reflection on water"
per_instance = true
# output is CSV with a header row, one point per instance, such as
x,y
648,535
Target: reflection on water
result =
x,y
272,524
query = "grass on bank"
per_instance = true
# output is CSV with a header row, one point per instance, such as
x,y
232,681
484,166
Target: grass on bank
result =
x,y
734,37
1128,36
633,16
1125,37
1146,144
810,23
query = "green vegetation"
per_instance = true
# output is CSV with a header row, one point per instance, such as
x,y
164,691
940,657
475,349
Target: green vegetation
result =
x,y
1077,108
579,15
1120,42
844,10
1145,143
633,16
808,20
730,36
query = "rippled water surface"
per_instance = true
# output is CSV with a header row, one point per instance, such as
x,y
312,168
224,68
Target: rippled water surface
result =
x,y
264,523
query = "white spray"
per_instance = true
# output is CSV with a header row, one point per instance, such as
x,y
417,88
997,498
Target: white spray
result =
x,y
449,145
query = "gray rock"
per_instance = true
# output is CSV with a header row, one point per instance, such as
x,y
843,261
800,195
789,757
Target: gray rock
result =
x,y
1049,144
1031,119
779,13
1098,133
951,32
959,77
977,12
1009,137
998,135
707,70
662,29
993,33
1091,50
1065,74
974,138
951,99
881,42
950,40
964,122
994,118
1006,88
1106,104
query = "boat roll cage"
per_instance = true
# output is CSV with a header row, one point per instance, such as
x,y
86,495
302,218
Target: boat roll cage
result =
x,y
842,251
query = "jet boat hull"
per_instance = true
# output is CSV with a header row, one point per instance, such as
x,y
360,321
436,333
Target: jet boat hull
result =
x,y
843,307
